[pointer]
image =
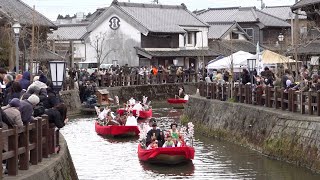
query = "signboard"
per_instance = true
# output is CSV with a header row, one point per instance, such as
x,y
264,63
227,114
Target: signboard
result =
x,y
114,23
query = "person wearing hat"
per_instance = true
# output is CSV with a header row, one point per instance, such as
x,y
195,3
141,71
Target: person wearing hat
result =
x,y
26,108
155,133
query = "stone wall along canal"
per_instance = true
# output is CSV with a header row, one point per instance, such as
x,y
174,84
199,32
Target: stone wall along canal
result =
x,y
98,158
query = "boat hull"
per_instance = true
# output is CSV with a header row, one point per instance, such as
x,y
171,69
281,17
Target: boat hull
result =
x,y
117,130
176,101
142,114
174,155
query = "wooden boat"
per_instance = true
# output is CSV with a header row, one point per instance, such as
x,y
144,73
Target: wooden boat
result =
x,y
173,155
142,114
176,101
117,130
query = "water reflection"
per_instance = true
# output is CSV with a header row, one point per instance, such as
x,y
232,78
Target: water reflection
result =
x,y
184,170
99,158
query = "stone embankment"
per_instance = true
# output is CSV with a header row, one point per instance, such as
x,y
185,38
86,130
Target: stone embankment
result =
x,y
282,135
154,92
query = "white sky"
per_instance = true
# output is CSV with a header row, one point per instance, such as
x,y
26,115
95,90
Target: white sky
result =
x,y
51,8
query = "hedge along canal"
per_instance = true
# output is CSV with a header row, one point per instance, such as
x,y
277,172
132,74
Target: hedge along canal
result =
x,y
96,157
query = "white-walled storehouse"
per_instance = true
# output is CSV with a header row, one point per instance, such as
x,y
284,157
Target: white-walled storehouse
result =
x,y
147,34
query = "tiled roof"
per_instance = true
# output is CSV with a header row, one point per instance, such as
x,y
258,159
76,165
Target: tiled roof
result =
x,y
69,32
23,13
227,47
241,14
219,30
282,12
302,3
45,55
95,15
176,53
312,48
160,18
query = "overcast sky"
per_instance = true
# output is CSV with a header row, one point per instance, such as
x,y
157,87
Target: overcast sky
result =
x,y
51,8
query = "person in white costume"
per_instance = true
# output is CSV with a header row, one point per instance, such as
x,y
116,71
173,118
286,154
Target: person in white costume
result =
x,y
131,120
186,97
132,101
137,106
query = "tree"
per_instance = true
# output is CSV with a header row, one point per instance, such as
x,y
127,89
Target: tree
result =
x,y
113,43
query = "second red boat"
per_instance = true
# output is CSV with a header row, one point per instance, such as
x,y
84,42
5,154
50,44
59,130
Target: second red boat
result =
x,y
117,130
142,114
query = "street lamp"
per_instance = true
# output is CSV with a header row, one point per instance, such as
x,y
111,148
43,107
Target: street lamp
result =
x,y
16,29
251,67
281,38
57,71
175,62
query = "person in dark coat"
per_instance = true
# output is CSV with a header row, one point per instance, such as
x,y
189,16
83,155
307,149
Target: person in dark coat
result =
x,y
8,80
245,76
14,91
25,81
52,98
155,133
57,115
26,108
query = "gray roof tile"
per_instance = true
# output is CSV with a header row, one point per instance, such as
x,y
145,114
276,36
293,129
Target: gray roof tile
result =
x,y
282,12
23,13
227,47
302,3
178,53
241,14
217,30
69,32
161,18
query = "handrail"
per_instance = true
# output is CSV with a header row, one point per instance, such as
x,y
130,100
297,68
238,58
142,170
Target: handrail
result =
x,y
28,144
272,97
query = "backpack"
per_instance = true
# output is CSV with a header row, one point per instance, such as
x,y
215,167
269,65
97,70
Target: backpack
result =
x,y
6,119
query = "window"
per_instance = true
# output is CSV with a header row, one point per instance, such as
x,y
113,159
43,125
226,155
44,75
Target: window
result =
x,y
249,31
190,35
303,30
235,35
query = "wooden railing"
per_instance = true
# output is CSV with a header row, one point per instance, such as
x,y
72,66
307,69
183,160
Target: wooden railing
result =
x,y
127,80
286,100
28,145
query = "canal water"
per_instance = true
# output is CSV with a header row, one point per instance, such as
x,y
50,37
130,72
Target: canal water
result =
x,y
99,158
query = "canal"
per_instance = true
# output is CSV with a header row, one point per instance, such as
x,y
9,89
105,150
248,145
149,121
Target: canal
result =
x,y
98,158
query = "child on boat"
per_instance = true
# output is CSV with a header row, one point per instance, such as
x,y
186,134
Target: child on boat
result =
x,y
169,142
154,144
174,133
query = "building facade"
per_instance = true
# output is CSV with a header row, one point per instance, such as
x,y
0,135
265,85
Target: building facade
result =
x,y
148,34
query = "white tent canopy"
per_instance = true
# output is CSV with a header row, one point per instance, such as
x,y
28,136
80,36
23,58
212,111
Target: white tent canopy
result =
x,y
239,61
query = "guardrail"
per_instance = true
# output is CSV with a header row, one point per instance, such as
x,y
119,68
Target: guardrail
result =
x,y
272,97
28,145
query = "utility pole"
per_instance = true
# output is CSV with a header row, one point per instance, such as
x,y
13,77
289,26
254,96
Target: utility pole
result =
x,y
32,43
295,34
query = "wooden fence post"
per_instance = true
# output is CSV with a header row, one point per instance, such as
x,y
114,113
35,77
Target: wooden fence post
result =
x,y
13,146
302,101
40,140
318,103
294,101
34,139
290,99
1,149
214,91
310,107
45,132
24,158
276,89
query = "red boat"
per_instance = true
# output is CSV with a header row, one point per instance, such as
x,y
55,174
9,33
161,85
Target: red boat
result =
x,y
142,114
172,155
117,130
176,101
